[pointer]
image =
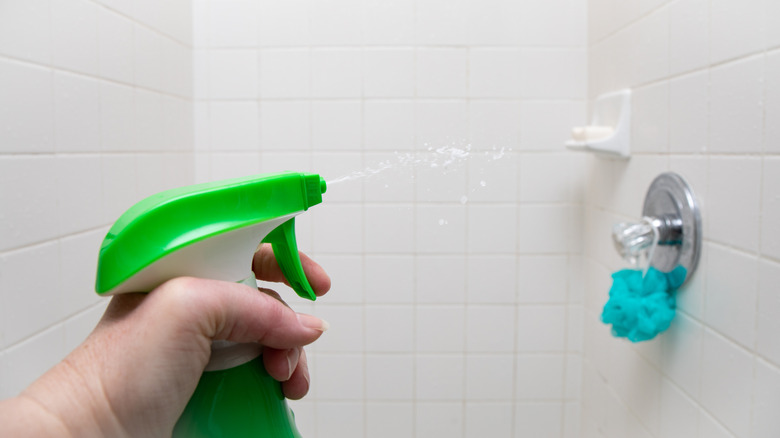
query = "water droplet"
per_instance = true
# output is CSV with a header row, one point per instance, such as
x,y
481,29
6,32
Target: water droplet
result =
x,y
443,222
464,199
482,183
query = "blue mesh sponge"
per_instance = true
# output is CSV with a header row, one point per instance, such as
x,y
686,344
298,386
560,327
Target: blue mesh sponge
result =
x,y
640,308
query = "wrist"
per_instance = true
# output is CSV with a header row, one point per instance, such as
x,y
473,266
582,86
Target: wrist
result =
x,y
70,404
23,416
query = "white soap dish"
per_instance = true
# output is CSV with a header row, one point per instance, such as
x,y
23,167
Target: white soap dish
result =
x,y
609,132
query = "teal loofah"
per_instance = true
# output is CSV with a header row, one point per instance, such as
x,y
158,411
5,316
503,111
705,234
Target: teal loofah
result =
x,y
640,308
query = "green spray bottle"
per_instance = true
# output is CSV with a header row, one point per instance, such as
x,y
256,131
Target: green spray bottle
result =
x,y
212,231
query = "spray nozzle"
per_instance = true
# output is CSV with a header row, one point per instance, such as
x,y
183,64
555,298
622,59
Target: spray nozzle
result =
x,y
210,231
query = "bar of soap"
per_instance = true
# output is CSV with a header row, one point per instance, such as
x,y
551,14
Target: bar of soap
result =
x,y
591,133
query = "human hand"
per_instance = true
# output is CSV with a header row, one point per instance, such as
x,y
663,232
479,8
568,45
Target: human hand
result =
x,y
135,373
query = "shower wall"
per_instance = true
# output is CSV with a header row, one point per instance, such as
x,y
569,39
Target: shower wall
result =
x,y
95,113
706,81
456,307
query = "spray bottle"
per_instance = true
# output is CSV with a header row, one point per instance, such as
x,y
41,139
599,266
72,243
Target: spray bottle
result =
x,y
212,231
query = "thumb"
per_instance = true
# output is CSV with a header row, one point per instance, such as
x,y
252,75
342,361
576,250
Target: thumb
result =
x,y
235,312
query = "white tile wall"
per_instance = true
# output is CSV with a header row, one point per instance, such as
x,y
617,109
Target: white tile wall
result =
x,y
29,125
87,113
101,108
716,365
767,400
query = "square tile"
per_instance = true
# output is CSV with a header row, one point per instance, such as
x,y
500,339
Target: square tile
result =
x,y
544,229
441,22
733,314
389,420
233,74
74,31
495,22
553,23
389,329
80,194
343,419
494,125
285,125
489,377
439,329
727,382
234,126
441,229
347,327
33,20
538,419
536,183
34,309
495,73
28,116
682,350
148,58
283,24
30,359
389,228
766,401
654,47
388,73
336,73
440,279
488,419
768,311
491,229
441,72
689,113
389,376
689,35
734,198
490,328
736,106
770,208
388,125
772,103
492,176
736,30
233,23
542,279
541,329
115,52
491,279
650,121
441,124
380,269
540,377
553,73
387,178
438,378
336,125
335,22
679,413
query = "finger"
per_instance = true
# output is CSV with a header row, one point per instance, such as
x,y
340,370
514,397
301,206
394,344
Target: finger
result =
x,y
297,385
273,294
266,268
232,311
121,305
281,364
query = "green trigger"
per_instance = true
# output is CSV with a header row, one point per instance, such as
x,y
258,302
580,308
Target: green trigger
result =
x,y
285,247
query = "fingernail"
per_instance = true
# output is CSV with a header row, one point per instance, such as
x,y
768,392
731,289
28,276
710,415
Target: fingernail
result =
x,y
292,361
313,322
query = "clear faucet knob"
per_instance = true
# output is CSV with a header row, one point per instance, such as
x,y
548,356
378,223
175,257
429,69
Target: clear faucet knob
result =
x,y
632,239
